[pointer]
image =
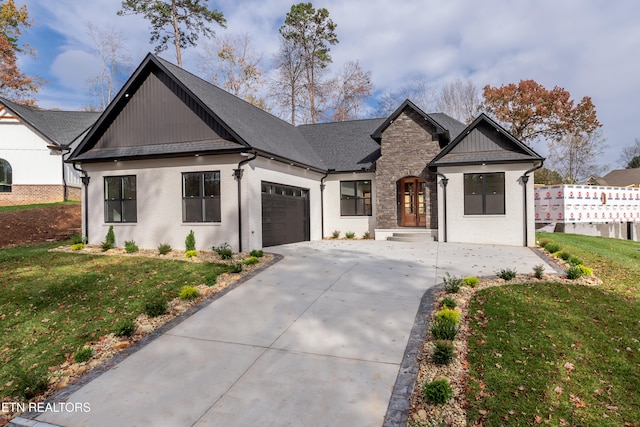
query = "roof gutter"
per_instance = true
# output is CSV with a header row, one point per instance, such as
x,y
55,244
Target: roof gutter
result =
x,y
238,172
525,179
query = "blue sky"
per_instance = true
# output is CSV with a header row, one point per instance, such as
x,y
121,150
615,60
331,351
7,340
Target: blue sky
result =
x,y
589,47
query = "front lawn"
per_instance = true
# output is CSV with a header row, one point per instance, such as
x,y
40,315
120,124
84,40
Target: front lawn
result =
x,y
52,303
558,354
14,208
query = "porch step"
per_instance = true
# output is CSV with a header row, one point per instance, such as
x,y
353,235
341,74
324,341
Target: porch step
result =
x,y
422,236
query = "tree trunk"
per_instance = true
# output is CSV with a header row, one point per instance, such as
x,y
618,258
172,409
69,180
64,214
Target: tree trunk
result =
x,y
176,32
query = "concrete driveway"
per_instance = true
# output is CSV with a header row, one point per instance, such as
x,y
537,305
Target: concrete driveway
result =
x,y
315,340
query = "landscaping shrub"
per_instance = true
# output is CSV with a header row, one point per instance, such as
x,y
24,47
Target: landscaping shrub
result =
x,y
443,352
130,246
552,247
366,235
190,242
164,248
350,235
564,255
472,281
78,239
506,274
189,292
538,270
574,272
251,260
224,251
210,279
444,329
236,267
155,308
437,392
258,253
335,234
191,254
448,303
106,246
574,260
124,328
451,283
586,271
109,240
544,242
28,383
82,355
77,246
448,313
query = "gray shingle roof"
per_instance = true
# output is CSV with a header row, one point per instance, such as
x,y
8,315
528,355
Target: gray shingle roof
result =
x,y
454,126
60,127
344,146
622,177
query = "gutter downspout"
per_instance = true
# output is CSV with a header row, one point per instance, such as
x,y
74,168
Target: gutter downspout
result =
x,y
85,205
322,187
525,180
444,181
65,195
238,174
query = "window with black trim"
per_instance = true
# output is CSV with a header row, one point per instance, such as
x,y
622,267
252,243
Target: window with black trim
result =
x,y
355,198
120,199
201,197
484,193
6,176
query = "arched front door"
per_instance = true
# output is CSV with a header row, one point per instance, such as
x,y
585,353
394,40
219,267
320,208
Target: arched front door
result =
x,y
413,208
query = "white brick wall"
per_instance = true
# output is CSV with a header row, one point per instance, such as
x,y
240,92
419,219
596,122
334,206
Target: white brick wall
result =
x,y
332,218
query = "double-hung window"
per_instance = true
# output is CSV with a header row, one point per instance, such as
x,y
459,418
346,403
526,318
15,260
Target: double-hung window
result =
x,y
355,198
6,178
201,197
120,199
484,193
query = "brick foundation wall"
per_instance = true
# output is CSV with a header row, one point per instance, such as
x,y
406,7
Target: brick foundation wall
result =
x,y
407,146
33,194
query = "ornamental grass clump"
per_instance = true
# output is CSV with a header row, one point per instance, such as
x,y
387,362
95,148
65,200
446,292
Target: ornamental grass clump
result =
x,y
448,302
452,284
258,253
444,329
131,247
538,271
155,307
28,383
350,235
552,247
437,392
124,328
82,355
443,352
507,274
164,248
224,251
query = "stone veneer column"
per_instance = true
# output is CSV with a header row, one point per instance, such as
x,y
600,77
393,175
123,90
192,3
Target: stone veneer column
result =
x,y
407,146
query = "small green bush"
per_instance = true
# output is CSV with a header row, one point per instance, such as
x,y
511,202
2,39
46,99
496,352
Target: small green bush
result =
x,y
507,274
448,313
564,255
574,260
164,248
78,238
258,253
83,354
28,383
224,251
444,329
349,234
106,246
124,328
335,234
251,260
437,392
544,242
586,271
211,279
472,281
448,302
538,271
130,246
366,235
111,236
77,246
190,242
156,307
452,284
191,254
443,352
574,272
236,267
552,247
189,292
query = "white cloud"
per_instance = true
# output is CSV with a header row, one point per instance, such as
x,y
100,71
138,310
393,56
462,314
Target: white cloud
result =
x,y
73,68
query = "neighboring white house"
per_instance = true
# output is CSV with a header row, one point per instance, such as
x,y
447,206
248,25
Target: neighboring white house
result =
x,y
174,153
33,143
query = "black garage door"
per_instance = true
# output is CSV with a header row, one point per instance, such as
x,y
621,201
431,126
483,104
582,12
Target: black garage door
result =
x,y
285,214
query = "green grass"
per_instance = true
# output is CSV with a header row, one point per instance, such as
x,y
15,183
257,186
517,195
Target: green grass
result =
x,y
26,207
53,303
557,354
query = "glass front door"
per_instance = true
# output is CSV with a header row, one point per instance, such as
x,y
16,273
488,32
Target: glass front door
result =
x,y
413,202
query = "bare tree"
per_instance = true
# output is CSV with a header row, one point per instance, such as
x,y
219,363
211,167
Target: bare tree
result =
x,y
630,155
576,156
286,89
459,99
348,91
233,64
419,91
115,64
